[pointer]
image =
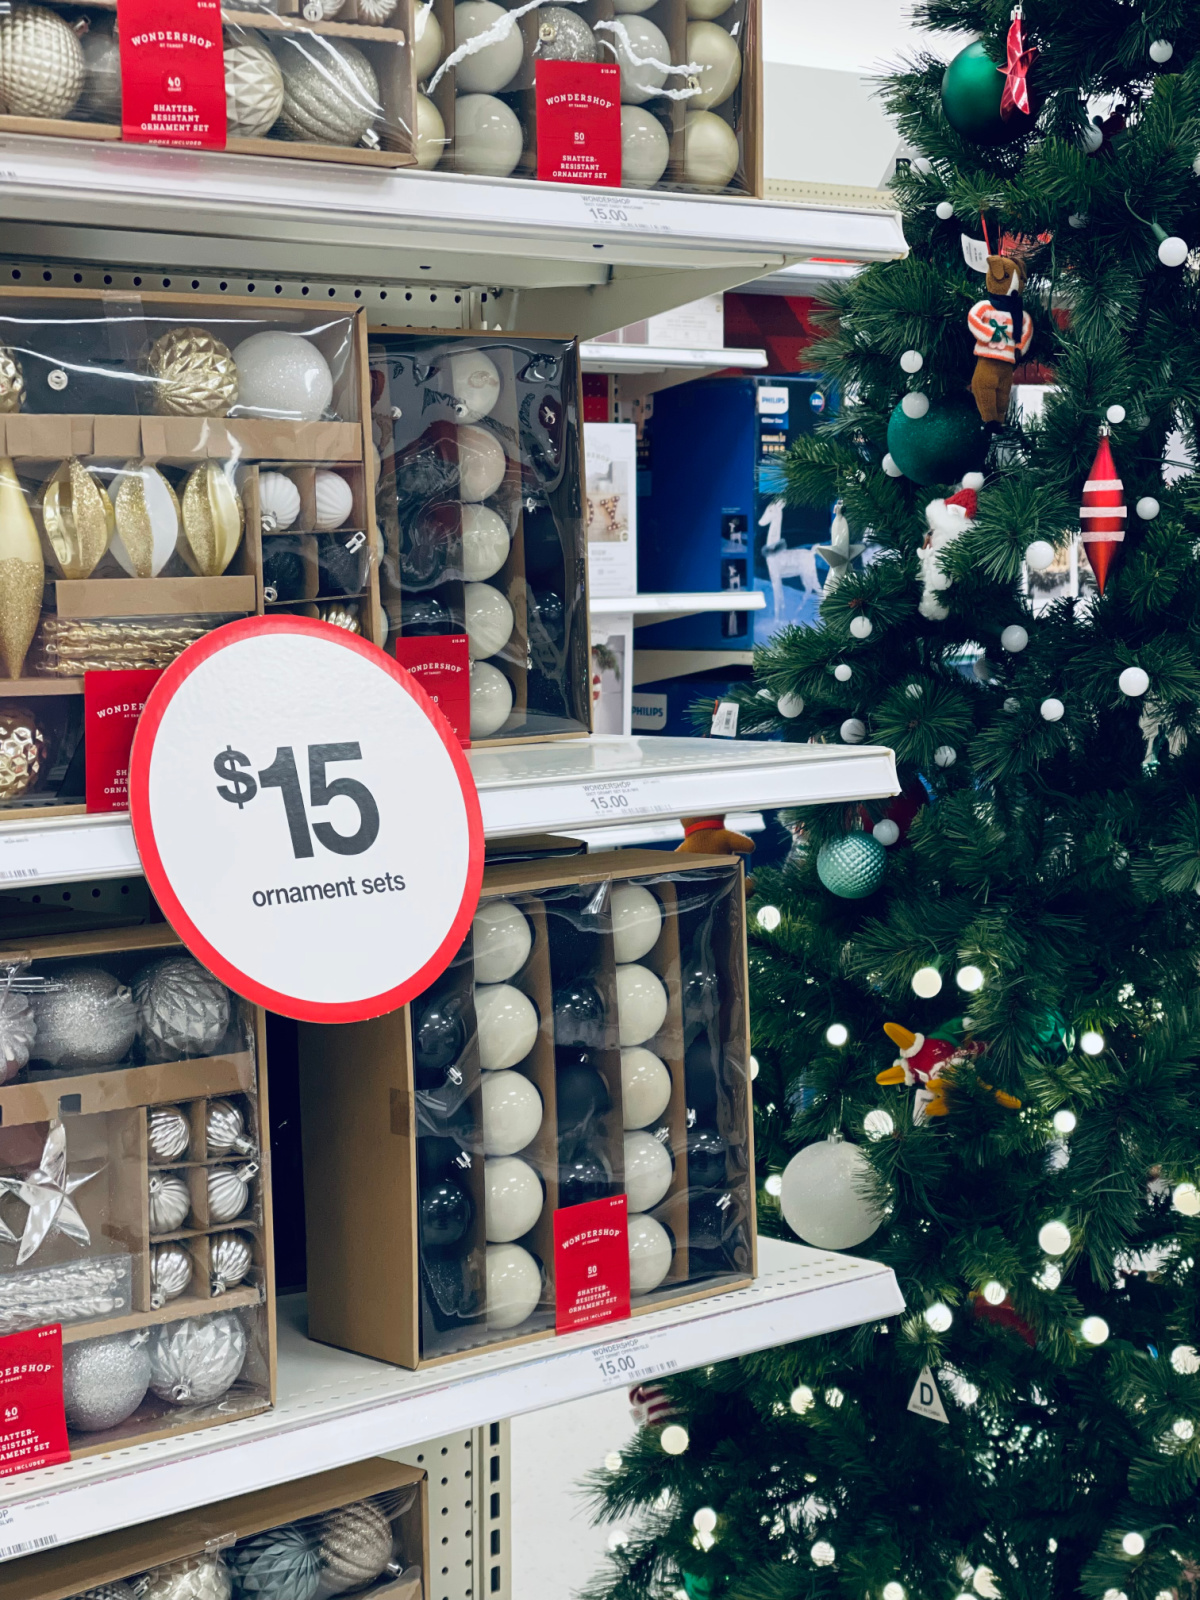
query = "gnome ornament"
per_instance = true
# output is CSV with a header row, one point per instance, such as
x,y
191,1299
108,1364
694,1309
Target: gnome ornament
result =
x,y
926,1059
1002,329
947,519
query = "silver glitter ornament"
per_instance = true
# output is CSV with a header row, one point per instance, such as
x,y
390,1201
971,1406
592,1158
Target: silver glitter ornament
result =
x,y
563,35
170,1273
280,1564
18,1031
231,1256
203,1577
354,1545
330,91
195,1361
183,1011
108,1591
87,1020
229,1191
104,1380
168,1131
41,63
170,1202
225,1127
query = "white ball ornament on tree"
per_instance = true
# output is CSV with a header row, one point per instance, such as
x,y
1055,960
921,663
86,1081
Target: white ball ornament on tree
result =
x,y
481,463
513,1198
648,1170
843,672
645,148
486,542
501,938
507,1025
491,699
889,466
512,1113
1014,638
431,134
488,138
1147,508
41,63
1133,681
650,1252
497,63
643,56
1173,252
713,49
1115,414
1054,1238
641,1003
514,1285
474,381
853,730
1161,51
912,361
1092,137
104,1380
861,627
489,620
825,1197
1039,554
927,983
915,405
428,41
282,375
790,705
334,500
636,921
944,210
887,832
253,90
1052,709
645,1087
711,153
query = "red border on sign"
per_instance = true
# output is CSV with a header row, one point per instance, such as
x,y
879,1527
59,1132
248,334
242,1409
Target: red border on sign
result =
x,y
143,827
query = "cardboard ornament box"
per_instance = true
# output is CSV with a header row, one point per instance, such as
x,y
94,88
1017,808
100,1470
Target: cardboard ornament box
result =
x,y
452,1148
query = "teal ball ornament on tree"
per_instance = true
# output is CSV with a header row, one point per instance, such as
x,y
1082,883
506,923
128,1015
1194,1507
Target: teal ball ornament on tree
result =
x,y
972,92
939,447
699,1586
852,867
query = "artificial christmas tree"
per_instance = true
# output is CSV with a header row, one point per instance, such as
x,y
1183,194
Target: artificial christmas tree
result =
x,y
1028,1428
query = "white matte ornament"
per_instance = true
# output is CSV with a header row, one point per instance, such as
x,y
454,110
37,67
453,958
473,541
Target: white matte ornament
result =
x,y
1161,51
1173,252
475,384
822,1199
1053,709
647,1171
1092,137
853,730
944,210
889,466
887,832
715,52
282,375
706,10
645,148
253,90
1054,1238
1133,681
1039,554
915,405
1014,638
789,705
861,627
514,1285
428,41
843,672
641,1003
481,463
495,65
632,8
1115,414
927,982
912,361
334,499
486,542
710,151
489,620
637,40
512,1113
1147,508
507,1024
491,699
650,1253
278,501
431,134
636,921
502,939
512,1198
645,1087
487,136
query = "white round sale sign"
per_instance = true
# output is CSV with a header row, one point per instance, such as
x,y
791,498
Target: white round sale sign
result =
x,y
306,819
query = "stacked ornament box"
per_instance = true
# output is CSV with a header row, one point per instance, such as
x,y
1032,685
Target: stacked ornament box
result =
x,y
480,511
167,462
322,80
690,74
135,1203
590,1040
361,1529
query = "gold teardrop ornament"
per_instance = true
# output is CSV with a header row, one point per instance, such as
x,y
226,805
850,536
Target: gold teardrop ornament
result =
x,y
212,520
22,573
78,517
147,515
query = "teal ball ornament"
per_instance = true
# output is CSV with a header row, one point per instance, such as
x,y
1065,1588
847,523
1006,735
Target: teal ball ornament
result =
x,y
852,867
972,86
949,440
281,1564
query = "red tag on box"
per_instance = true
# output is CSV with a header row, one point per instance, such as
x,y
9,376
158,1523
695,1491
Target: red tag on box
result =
x,y
112,704
172,72
591,1263
442,666
33,1424
579,123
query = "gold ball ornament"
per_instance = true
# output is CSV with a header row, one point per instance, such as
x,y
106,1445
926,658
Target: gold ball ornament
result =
x,y
253,90
41,63
21,571
213,518
12,383
194,374
78,517
23,754
340,615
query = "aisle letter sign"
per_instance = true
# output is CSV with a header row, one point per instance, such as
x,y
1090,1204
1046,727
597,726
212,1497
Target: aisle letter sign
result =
x,y
306,819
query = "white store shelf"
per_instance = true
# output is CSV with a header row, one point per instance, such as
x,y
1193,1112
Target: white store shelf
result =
x,y
599,356
335,1408
647,609
664,832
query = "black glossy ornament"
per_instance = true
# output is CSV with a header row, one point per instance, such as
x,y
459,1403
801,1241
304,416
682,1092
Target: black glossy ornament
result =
x,y
542,540
283,571
548,615
582,1096
712,1217
700,1077
439,1033
423,617
425,545
701,992
341,562
584,1177
446,1213
579,1014
436,1155
706,1158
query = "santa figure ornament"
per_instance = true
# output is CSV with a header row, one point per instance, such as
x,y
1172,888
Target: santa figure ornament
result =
x,y
1103,512
923,1062
947,519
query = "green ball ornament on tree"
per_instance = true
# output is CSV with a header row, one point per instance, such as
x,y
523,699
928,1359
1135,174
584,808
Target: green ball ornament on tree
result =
x,y
939,447
698,1587
972,86
852,867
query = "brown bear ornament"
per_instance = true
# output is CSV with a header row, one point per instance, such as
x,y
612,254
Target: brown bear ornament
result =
x,y
1002,329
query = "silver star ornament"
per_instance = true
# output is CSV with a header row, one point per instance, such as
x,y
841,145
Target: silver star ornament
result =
x,y
839,552
47,1192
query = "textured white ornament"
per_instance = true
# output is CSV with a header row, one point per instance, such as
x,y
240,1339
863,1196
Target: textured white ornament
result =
x,y
278,501
641,1003
376,13
491,699
790,705
501,939
41,63
636,921
1133,681
715,52
643,55
512,1113
253,90
431,134
915,405
825,1198
650,1252
330,91
711,153
481,463
282,375
488,620
1052,709
486,542
645,1087
168,1133
507,1024
474,381
195,1361
488,138
912,361
170,1272
853,730
1039,555
229,1191
231,1256
512,1198
334,499
514,1285
428,41
496,64
1014,638
1147,508
183,1010
225,1129
645,148
647,1171
170,1202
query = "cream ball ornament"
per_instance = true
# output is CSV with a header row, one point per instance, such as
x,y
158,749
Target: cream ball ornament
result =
x,y
514,1285
487,136
647,1170
650,1252
636,921
710,151
431,134
501,938
282,375
486,542
643,55
474,381
645,1087
512,1113
496,64
507,1024
253,89
633,8
707,10
641,1003
489,620
512,1193
334,499
715,52
645,148
330,91
428,41
481,463
491,699
824,1197
41,63
278,500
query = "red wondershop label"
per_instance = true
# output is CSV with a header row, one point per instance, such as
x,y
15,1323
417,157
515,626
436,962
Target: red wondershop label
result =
x,y
172,72
441,664
33,1424
579,123
591,1263
112,704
